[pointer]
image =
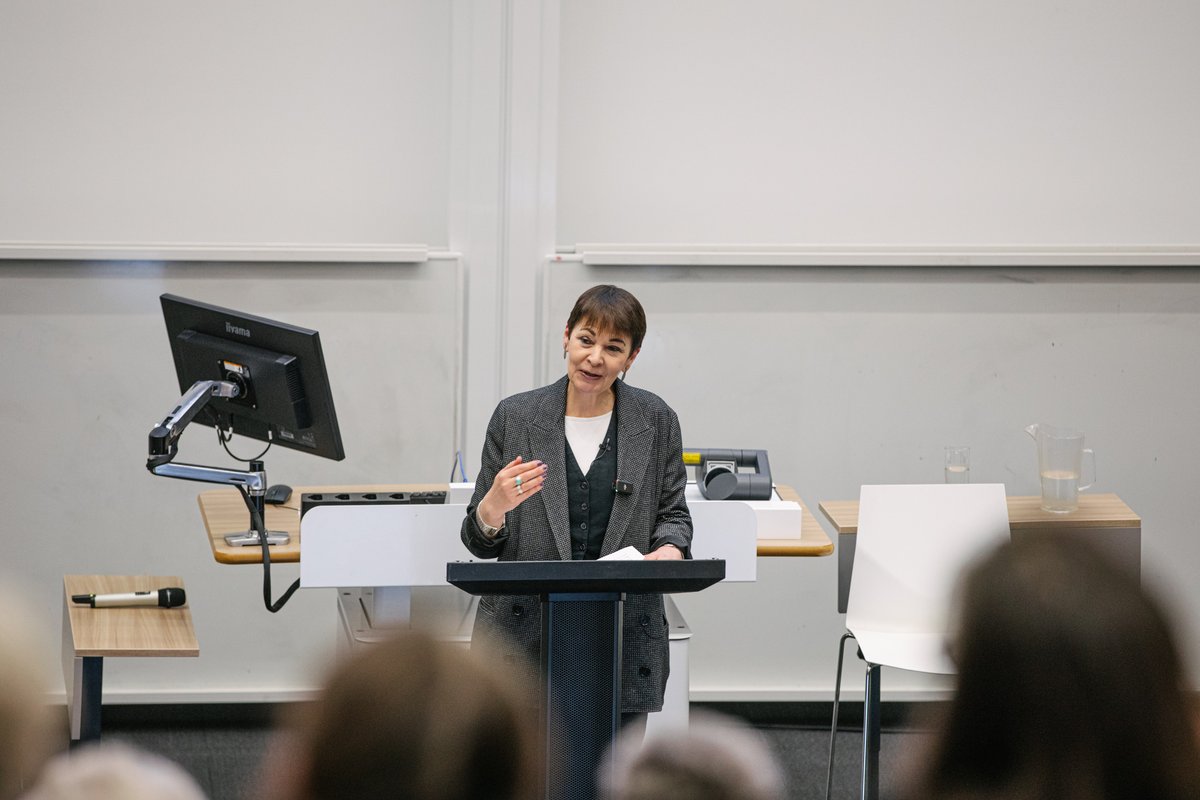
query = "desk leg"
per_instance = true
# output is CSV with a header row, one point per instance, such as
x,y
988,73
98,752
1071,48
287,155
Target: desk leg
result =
x,y
83,699
89,712
83,679
871,711
845,556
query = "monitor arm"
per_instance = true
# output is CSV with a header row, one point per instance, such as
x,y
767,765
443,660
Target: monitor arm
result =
x,y
164,444
164,441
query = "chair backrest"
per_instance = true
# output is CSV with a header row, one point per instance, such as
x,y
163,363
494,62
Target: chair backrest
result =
x,y
912,545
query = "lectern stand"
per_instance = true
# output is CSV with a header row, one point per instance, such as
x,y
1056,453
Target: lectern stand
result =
x,y
581,645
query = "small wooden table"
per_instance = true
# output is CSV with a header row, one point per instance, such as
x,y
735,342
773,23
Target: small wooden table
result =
x,y
224,512
90,634
1103,517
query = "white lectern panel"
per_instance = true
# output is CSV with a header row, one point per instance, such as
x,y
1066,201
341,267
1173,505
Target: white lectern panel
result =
x,y
380,545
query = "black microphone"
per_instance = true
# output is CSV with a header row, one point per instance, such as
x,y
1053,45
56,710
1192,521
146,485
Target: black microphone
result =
x,y
604,447
171,597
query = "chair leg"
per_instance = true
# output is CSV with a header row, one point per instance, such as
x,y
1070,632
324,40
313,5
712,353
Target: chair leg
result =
x,y
871,712
837,696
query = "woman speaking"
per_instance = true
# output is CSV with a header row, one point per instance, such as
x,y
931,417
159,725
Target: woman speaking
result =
x,y
576,470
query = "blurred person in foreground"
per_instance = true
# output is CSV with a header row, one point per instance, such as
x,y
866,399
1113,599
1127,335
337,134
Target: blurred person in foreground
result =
x,y
409,717
715,758
113,771
1070,685
25,724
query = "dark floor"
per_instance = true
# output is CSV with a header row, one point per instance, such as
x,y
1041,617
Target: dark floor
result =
x,y
223,746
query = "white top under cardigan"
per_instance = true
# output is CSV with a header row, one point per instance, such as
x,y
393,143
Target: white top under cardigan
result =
x,y
585,435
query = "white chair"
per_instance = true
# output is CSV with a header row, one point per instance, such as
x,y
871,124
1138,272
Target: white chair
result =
x,y
912,544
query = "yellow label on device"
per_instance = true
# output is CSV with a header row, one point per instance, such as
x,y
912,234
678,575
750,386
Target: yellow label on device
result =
x,y
691,458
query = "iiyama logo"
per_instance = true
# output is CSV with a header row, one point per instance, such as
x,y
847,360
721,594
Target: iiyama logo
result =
x,y
237,330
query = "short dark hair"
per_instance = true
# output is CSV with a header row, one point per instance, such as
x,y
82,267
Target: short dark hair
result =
x,y
1069,683
610,308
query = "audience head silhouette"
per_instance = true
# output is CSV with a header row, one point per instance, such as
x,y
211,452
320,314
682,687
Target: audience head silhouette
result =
x,y
1070,684
414,718
25,725
114,772
715,758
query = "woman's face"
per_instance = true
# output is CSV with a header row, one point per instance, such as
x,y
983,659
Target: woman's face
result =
x,y
594,357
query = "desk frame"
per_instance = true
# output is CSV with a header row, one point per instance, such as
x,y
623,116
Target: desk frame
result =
x,y
90,634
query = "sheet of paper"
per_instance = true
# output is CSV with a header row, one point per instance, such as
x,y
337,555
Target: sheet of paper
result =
x,y
630,553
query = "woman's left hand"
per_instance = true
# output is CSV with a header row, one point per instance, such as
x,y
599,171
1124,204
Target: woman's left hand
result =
x,y
668,552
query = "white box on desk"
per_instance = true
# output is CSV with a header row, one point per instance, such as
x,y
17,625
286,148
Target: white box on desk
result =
x,y
731,529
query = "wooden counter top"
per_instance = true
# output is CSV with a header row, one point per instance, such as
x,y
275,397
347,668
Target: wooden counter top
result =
x,y
1095,511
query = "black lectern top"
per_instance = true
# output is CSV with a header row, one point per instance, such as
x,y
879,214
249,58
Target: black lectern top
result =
x,y
545,577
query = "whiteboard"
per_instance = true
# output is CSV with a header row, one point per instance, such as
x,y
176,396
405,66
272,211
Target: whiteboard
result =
x,y
223,129
924,125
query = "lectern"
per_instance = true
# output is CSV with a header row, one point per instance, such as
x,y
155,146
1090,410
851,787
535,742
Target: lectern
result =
x,y
581,645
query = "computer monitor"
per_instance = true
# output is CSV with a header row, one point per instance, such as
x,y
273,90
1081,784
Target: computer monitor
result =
x,y
283,389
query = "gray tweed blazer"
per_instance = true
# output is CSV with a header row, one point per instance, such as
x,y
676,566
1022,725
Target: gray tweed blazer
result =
x,y
649,456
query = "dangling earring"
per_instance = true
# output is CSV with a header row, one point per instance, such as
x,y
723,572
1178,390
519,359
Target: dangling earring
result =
x,y
564,352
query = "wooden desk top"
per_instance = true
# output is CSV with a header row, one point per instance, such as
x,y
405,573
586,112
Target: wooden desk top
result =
x,y
225,512
1095,511
812,540
128,631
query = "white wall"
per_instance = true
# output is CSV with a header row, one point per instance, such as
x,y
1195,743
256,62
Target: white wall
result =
x,y
923,122
846,374
278,125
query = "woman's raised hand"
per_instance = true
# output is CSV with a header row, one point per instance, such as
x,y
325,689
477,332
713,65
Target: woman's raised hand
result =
x,y
514,484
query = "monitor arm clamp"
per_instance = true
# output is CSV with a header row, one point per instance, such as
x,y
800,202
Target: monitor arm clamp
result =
x,y
164,444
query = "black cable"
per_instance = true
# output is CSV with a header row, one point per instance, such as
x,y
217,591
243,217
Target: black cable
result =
x,y
257,523
225,440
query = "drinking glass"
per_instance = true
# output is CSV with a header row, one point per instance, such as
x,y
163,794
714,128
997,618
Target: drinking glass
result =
x,y
958,465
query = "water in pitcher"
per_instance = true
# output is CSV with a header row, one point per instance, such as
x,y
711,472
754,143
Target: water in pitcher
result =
x,y
1060,490
1060,454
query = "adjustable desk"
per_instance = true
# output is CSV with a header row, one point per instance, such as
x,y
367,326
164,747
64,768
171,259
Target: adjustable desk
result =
x,y
224,512
1102,517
